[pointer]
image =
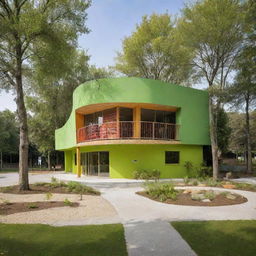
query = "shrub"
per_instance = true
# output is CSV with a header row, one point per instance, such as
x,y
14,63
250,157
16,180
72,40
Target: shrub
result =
x,y
186,180
78,188
161,191
189,167
195,183
67,202
48,196
210,195
146,174
32,206
212,182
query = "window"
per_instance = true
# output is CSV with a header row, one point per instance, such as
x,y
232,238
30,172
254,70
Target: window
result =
x,y
158,116
172,157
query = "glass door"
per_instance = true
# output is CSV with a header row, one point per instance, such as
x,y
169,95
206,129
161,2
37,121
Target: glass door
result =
x,y
104,163
93,163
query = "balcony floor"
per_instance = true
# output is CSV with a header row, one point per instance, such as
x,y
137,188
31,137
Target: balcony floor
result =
x,y
124,141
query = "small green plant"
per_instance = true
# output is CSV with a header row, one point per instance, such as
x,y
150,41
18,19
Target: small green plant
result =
x,y
32,206
48,196
189,167
67,202
7,202
161,191
210,195
54,180
186,180
146,174
195,183
39,184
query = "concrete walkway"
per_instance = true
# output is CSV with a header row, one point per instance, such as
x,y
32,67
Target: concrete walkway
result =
x,y
155,238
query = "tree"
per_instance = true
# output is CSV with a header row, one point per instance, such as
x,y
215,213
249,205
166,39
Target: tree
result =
x,y
50,100
212,30
8,134
244,87
223,130
153,51
41,34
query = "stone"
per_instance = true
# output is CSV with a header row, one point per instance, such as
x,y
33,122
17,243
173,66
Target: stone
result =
x,y
197,197
230,196
196,191
206,200
229,186
201,185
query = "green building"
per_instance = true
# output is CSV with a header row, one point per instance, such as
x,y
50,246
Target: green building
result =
x,y
121,125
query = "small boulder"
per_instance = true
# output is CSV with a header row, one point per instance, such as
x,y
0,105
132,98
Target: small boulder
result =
x,y
197,197
230,196
206,200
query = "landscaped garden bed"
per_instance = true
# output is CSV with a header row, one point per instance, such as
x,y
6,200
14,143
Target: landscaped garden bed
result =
x,y
53,187
16,207
166,193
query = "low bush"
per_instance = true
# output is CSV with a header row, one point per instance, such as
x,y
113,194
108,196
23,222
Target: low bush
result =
x,y
77,187
32,206
146,175
161,191
67,202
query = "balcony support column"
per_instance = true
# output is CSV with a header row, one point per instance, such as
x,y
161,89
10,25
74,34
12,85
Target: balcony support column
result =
x,y
137,121
78,162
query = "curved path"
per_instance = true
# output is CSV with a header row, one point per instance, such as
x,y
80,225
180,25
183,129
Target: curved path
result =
x,y
146,222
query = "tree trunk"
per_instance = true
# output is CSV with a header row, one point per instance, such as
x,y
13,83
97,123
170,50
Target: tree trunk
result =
x,y
248,137
22,115
49,160
213,135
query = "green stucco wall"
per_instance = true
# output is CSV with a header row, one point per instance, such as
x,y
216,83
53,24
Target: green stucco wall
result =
x,y
148,157
193,104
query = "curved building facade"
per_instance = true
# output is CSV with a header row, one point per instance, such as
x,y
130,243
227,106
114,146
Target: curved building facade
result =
x,y
121,125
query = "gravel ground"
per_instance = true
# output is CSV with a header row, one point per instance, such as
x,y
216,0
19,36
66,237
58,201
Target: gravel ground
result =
x,y
91,207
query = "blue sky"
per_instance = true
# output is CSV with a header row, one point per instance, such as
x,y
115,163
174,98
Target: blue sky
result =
x,y
110,21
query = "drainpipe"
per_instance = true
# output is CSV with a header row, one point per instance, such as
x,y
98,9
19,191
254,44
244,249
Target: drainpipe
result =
x,y
78,162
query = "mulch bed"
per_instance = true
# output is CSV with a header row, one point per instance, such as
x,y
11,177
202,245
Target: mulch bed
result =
x,y
10,208
185,199
39,189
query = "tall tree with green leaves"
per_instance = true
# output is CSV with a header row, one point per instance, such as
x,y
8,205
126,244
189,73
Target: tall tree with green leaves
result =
x,y
50,100
41,34
213,31
9,134
154,51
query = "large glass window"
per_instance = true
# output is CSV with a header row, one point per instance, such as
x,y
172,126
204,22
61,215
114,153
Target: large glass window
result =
x,y
125,114
159,116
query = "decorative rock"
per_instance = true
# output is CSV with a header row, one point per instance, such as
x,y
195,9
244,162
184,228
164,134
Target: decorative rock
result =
x,y
196,191
201,185
230,196
229,186
206,200
187,191
197,197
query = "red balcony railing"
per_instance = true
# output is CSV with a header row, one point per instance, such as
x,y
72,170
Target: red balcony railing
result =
x,y
128,130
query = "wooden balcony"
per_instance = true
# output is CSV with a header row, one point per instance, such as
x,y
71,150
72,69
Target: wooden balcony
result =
x,y
128,130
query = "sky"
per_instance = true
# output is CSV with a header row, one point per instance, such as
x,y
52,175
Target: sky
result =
x,y
109,22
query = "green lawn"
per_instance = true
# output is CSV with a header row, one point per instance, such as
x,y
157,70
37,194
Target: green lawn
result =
x,y
44,240
8,170
219,238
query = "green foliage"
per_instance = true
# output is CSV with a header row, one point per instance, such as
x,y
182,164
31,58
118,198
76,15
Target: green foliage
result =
x,y
67,202
48,196
77,187
32,206
161,191
154,51
146,175
186,180
223,130
189,168
210,194
9,132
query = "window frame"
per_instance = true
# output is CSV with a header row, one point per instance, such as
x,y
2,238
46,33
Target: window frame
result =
x,y
172,151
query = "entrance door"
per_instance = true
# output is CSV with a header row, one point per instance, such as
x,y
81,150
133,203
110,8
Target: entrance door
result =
x,y
95,163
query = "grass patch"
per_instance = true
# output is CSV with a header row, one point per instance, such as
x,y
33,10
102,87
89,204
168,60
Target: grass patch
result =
x,y
8,170
222,238
42,240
